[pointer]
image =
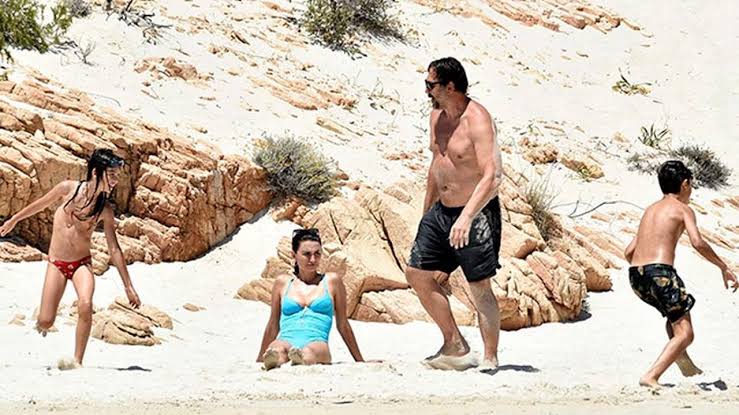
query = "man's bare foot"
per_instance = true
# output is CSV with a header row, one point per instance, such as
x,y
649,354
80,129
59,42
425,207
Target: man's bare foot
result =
x,y
296,356
650,383
446,362
489,363
271,359
686,366
68,364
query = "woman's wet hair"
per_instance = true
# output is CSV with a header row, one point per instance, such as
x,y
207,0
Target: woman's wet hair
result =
x,y
300,235
101,160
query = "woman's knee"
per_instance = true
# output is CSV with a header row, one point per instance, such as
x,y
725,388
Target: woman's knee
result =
x,y
84,309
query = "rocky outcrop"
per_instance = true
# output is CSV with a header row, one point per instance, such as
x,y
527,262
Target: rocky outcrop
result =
x,y
170,67
367,240
16,250
122,324
174,200
578,14
582,164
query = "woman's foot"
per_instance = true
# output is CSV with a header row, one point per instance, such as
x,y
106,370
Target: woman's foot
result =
x,y
271,359
296,356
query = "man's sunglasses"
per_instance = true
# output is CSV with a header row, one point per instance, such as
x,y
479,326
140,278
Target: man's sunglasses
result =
x,y
431,84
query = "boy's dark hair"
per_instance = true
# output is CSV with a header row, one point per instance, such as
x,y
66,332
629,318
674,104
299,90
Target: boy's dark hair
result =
x,y
671,175
300,235
450,70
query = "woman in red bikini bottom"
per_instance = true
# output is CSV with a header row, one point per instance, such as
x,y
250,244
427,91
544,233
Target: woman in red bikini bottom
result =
x,y
84,205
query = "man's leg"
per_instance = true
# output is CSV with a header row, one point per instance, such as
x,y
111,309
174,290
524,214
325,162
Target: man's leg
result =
x,y
682,338
488,318
683,361
437,305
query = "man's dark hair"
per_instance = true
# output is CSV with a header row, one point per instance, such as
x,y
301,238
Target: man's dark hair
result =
x,y
671,175
450,70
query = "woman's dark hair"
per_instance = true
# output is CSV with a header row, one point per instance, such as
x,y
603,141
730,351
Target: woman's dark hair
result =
x,y
671,175
450,70
101,160
300,235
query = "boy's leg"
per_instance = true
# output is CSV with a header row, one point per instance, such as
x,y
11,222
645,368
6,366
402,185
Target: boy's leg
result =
x,y
682,337
683,362
84,284
54,284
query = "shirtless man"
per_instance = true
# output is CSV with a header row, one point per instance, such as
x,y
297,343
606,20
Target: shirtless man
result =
x,y
654,280
84,204
461,223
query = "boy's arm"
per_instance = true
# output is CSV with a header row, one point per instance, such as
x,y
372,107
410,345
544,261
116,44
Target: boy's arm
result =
x,y
705,249
629,252
116,256
56,193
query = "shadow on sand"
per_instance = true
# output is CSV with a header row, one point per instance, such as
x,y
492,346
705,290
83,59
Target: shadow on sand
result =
x,y
517,368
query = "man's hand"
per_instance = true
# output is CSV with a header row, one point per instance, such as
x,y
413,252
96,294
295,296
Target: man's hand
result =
x,y
133,298
7,227
459,237
730,277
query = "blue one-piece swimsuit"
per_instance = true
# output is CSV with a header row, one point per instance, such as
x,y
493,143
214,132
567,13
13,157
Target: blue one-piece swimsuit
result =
x,y
302,325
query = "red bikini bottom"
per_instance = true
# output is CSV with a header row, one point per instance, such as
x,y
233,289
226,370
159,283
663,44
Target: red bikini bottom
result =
x,y
68,268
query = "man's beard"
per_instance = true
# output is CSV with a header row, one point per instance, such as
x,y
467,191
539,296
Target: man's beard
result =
x,y
434,103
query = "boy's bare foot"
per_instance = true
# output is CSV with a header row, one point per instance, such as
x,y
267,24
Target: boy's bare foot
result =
x,y
650,383
271,359
68,364
296,356
686,366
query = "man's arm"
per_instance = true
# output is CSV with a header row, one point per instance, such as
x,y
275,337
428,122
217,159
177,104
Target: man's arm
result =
x,y
629,252
705,249
484,140
432,191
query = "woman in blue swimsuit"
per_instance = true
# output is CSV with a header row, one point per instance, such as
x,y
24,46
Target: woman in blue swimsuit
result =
x,y
303,308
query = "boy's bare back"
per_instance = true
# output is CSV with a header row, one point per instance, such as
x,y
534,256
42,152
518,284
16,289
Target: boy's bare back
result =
x,y
659,230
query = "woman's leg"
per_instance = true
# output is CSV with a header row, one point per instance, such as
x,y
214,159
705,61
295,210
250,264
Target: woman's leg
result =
x,y
313,353
84,284
276,354
54,284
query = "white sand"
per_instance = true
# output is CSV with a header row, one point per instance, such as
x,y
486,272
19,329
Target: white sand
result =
x,y
206,364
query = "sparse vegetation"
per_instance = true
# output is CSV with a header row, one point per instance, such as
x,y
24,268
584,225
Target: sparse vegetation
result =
x,y
295,168
84,51
655,138
625,87
21,26
540,197
338,23
708,170
78,8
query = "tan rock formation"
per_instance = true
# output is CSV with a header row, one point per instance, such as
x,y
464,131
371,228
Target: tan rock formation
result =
x,y
582,164
122,324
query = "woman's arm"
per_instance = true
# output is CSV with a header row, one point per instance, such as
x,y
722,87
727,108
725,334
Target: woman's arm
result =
x,y
273,324
56,193
342,322
116,256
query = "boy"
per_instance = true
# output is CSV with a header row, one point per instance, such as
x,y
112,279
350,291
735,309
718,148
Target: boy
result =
x,y
652,253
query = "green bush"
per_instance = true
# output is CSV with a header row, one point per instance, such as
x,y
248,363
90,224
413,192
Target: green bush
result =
x,y
654,138
337,23
540,197
21,26
295,168
78,8
708,170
